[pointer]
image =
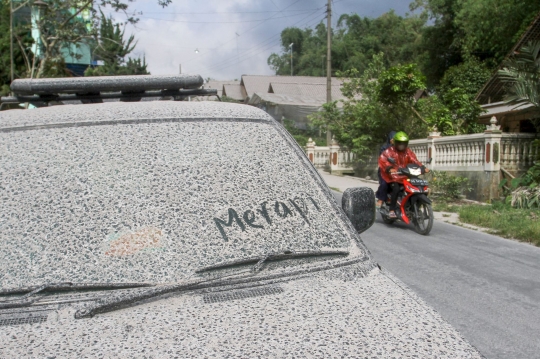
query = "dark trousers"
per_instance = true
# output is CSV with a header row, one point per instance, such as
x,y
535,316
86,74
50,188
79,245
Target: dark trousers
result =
x,y
382,191
394,195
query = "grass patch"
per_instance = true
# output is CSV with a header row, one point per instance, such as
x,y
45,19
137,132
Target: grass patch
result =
x,y
335,189
505,221
441,205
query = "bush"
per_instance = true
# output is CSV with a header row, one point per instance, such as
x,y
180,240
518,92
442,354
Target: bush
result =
x,y
449,186
526,197
525,190
302,136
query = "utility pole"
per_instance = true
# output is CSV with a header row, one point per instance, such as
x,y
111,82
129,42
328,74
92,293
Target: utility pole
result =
x,y
291,47
329,63
11,38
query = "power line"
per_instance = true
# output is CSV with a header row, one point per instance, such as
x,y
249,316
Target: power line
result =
x,y
221,22
270,39
263,44
228,64
226,42
222,12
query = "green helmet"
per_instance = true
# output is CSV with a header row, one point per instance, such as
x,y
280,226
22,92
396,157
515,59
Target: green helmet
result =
x,y
401,141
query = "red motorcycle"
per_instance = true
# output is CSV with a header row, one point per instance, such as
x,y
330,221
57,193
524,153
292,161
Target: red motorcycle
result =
x,y
413,202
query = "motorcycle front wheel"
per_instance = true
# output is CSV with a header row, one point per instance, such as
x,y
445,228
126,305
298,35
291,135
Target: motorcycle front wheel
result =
x,y
423,221
387,219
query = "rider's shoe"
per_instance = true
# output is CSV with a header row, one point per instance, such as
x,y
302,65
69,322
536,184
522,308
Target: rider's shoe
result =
x,y
379,204
392,214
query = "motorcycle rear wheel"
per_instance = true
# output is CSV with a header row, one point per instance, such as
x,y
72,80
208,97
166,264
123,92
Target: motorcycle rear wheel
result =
x,y
423,221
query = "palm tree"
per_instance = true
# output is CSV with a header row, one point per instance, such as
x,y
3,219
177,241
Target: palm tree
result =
x,y
521,76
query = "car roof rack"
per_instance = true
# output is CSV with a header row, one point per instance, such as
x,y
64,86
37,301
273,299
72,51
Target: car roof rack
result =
x,y
40,92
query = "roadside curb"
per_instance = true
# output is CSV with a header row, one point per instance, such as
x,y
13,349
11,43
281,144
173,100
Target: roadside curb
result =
x,y
453,218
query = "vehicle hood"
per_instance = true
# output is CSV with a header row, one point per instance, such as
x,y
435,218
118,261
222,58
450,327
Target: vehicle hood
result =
x,y
340,312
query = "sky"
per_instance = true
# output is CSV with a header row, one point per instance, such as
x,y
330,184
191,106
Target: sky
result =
x,y
225,39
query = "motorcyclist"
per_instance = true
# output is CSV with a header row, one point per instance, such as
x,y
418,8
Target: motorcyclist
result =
x,y
402,156
382,191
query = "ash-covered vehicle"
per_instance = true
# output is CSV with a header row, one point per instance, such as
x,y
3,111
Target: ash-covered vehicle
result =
x,y
159,229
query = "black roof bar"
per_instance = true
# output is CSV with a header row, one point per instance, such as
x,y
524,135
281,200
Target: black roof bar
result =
x,y
128,96
135,83
95,89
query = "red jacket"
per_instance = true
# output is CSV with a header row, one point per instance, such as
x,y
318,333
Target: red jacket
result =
x,y
402,158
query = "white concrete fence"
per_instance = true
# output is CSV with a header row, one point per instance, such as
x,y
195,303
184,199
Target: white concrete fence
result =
x,y
330,157
488,151
482,157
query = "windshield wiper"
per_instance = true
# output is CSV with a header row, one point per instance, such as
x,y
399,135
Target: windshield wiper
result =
x,y
115,302
119,301
259,261
28,292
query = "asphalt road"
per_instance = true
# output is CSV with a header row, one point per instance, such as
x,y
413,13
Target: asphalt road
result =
x,y
487,287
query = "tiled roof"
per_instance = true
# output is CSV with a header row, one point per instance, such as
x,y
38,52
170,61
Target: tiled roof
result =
x,y
493,90
234,91
315,91
218,85
260,83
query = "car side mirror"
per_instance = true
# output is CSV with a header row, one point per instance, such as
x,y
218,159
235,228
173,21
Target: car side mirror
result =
x,y
358,203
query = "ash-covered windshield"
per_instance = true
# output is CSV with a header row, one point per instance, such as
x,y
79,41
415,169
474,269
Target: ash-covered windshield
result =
x,y
153,202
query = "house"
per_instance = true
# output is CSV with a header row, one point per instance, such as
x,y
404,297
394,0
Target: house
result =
x,y
291,97
234,91
511,118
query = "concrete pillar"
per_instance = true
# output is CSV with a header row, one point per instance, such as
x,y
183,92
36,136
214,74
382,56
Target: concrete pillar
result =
x,y
334,156
492,159
492,143
310,150
431,150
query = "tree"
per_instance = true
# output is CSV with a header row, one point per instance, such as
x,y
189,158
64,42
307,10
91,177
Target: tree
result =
x,y
18,56
113,49
452,113
438,44
282,64
354,43
521,75
377,101
64,25
453,110
486,29
488,35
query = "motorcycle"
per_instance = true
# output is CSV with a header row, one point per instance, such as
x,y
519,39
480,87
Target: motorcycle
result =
x,y
413,204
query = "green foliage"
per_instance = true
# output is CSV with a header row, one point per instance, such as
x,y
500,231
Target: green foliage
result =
x,y
4,90
469,76
21,36
526,197
355,41
400,83
229,99
112,48
449,186
525,190
453,113
302,136
505,221
467,36
490,28
439,41
521,75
